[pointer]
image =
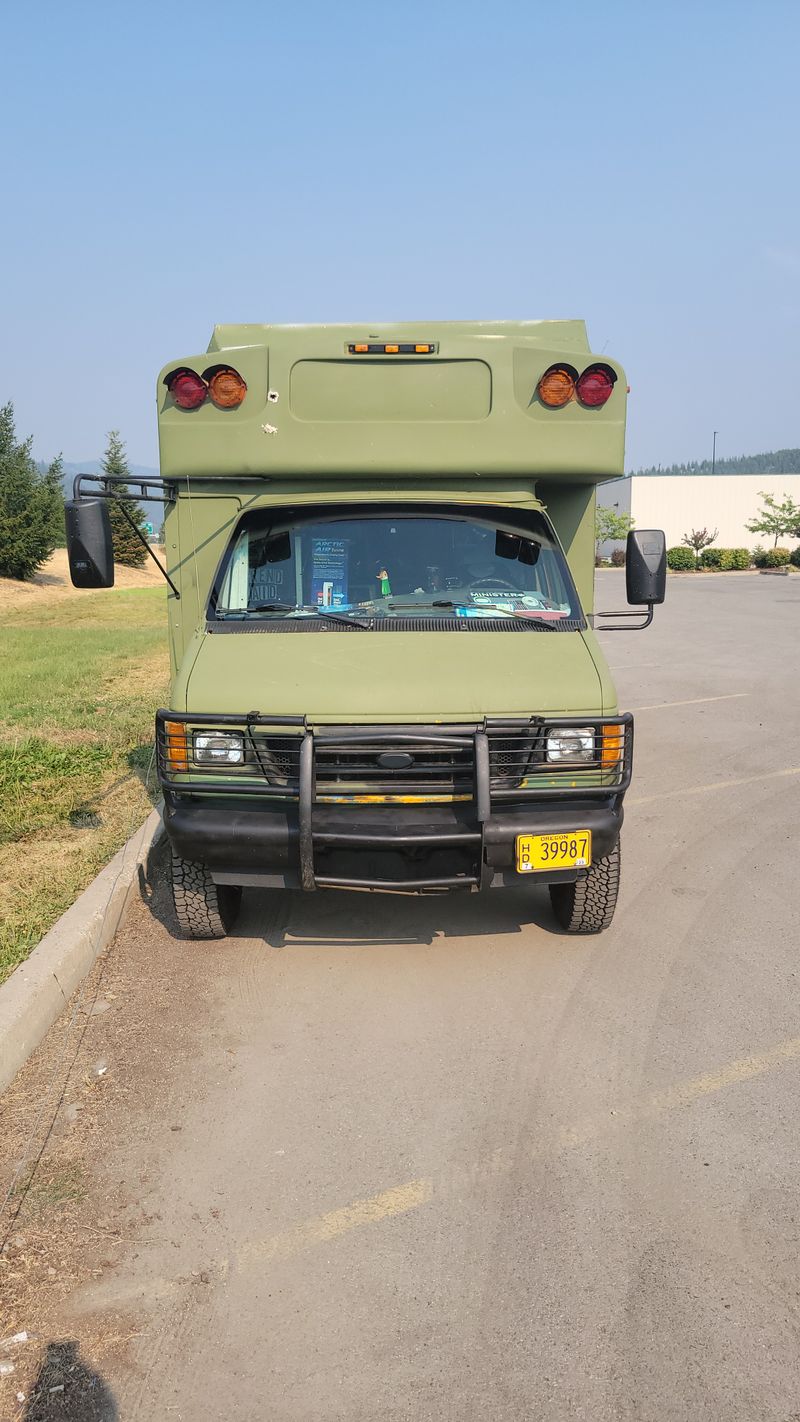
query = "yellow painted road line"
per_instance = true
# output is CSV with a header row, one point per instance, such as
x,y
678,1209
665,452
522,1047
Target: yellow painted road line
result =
x,y
683,1093
403,1198
696,701
714,785
397,1201
745,1069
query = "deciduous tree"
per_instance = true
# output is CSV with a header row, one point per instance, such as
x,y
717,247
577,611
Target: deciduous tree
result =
x,y
698,539
610,526
776,520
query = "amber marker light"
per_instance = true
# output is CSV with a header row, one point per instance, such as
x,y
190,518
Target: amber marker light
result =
x,y
226,388
391,348
613,743
556,387
175,745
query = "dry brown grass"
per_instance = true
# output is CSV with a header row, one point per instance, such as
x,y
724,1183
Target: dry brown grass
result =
x,y
52,581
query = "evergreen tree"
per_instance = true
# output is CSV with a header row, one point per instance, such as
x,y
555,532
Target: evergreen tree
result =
x,y
127,548
776,461
31,504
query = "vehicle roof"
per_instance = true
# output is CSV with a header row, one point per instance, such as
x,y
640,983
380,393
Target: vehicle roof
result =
x,y
466,408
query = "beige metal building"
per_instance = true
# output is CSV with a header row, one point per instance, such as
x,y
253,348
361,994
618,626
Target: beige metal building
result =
x,y
679,503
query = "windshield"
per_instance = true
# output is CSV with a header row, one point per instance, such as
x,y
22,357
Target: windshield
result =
x,y
375,563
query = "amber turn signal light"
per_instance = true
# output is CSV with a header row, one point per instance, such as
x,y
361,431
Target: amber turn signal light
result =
x,y
556,387
613,744
175,746
226,388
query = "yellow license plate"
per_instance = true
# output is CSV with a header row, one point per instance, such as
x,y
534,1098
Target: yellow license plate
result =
x,y
571,850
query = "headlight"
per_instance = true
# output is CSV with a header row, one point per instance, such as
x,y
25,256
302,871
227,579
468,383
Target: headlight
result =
x,y
218,749
571,743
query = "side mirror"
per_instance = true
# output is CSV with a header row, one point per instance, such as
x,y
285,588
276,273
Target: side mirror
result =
x,y
646,567
90,546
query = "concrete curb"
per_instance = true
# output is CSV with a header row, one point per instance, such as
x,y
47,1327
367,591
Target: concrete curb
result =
x,y
39,989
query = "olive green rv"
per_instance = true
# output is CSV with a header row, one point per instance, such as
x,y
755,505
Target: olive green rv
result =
x,y
380,566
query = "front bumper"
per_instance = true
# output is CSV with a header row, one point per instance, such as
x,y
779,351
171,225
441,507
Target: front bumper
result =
x,y
413,848
301,835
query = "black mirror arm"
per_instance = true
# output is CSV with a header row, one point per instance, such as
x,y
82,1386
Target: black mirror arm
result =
x,y
156,490
132,523
626,626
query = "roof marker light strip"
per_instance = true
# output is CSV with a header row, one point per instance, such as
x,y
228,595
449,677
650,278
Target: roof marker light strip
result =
x,y
392,348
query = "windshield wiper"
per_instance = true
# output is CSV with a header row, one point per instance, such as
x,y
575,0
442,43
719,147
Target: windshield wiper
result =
x,y
310,608
398,606
237,614
340,618
540,624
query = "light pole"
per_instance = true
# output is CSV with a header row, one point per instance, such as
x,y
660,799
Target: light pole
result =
x,y
714,452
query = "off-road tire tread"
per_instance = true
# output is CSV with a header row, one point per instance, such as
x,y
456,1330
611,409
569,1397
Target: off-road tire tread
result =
x,y
203,909
587,906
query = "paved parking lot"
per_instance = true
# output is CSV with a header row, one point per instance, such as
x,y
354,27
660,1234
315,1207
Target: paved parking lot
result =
x,y
378,1158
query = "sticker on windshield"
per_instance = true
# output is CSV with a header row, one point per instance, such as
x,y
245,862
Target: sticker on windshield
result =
x,y
329,571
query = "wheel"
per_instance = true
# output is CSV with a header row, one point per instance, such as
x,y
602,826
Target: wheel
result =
x,y
204,909
587,906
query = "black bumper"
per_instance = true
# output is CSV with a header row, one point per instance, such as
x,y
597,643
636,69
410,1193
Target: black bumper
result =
x,y
394,847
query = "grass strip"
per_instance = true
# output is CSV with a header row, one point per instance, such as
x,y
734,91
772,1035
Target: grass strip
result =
x,y
80,680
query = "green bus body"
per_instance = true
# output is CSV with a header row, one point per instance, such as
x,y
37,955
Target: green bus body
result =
x,y
456,427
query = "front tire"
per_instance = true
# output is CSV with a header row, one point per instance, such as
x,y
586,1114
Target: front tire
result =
x,y
587,906
203,909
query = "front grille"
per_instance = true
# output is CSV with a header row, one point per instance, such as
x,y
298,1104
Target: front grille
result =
x,y
511,757
342,768
405,762
351,768
432,771
277,757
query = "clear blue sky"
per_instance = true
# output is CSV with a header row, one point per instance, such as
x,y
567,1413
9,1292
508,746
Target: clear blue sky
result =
x,y
167,166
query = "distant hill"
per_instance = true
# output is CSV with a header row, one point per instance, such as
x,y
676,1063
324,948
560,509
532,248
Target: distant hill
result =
x,y
776,461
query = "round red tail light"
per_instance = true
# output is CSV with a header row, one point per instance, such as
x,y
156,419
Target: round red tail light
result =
x,y
595,385
226,388
557,386
187,389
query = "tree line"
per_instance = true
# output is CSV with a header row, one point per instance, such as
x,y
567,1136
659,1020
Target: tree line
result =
x,y
776,461
32,504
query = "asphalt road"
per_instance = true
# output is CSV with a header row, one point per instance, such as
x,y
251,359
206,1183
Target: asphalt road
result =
x,y
429,1159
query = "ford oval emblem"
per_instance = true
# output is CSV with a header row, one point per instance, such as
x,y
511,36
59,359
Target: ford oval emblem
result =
x,y
395,760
